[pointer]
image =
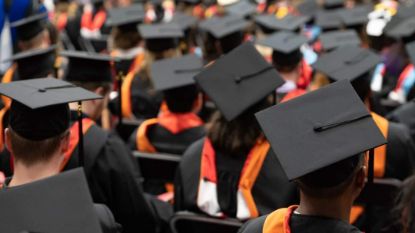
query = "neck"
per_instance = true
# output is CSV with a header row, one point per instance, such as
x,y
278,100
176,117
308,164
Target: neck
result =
x,y
25,174
337,208
86,109
290,76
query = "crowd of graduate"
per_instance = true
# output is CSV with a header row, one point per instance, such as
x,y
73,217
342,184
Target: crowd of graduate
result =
x,y
250,116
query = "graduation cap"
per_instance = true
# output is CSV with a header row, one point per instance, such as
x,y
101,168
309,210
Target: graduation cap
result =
x,y
60,203
238,80
30,26
356,16
242,8
308,8
35,63
88,67
333,4
161,37
334,39
328,20
220,27
288,23
348,62
404,28
184,21
175,72
39,109
319,129
410,49
286,47
126,18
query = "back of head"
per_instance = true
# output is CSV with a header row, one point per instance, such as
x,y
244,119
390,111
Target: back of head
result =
x,y
231,41
284,62
182,99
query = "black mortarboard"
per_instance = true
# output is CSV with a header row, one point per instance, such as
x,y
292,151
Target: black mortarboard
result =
x,y
319,129
333,4
335,39
242,8
288,23
221,27
355,16
405,11
308,8
184,21
328,20
126,18
175,72
348,62
410,50
39,108
403,29
238,80
88,67
35,63
60,203
161,37
286,47
30,26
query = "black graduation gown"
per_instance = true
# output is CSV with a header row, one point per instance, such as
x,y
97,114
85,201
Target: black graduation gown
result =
x,y
405,115
270,191
166,142
114,179
303,224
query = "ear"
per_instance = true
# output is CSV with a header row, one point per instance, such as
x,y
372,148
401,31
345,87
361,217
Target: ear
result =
x,y
198,104
7,140
360,178
100,91
65,143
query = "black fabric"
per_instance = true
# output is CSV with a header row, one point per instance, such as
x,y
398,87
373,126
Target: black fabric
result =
x,y
106,219
114,179
404,114
145,101
270,191
254,225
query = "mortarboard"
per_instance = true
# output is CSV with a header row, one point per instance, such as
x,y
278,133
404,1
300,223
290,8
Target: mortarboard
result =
x,y
39,109
242,8
30,26
88,67
334,39
319,129
60,203
328,20
220,27
288,23
160,37
348,62
308,8
35,63
184,21
355,16
410,50
175,72
333,4
402,28
286,46
238,80
126,18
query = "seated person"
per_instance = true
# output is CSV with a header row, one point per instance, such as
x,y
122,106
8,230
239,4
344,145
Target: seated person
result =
x,y
177,126
232,172
328,167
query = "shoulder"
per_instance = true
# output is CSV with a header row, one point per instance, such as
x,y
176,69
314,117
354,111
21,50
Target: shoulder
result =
x,y
192,154
254,225
399,132
106,219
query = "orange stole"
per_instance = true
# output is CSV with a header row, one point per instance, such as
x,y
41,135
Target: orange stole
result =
x,y
249,173
8,77
279,221
74,138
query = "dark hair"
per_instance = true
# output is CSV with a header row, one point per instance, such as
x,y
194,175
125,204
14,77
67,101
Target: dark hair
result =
x,y
286,62
125,40
362,85
331,180
92,86
30,152
182,99
237,137
231,41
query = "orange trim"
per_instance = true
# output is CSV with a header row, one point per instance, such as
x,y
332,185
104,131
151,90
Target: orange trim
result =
x,y
8,77
126,105
249,173
2,113
380,152
176,123
74,138
355,213
92,22
293,94
279,221
142,142
305,76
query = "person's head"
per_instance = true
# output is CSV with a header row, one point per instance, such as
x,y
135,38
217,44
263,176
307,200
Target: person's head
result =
x,y
38,136
125,39
226,44
183,99
342,179
287,63
43,58
32,32
39,41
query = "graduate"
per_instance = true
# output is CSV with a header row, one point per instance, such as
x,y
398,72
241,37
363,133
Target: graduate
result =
x,y
111,170
177,126
38,137
232,172
334,130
